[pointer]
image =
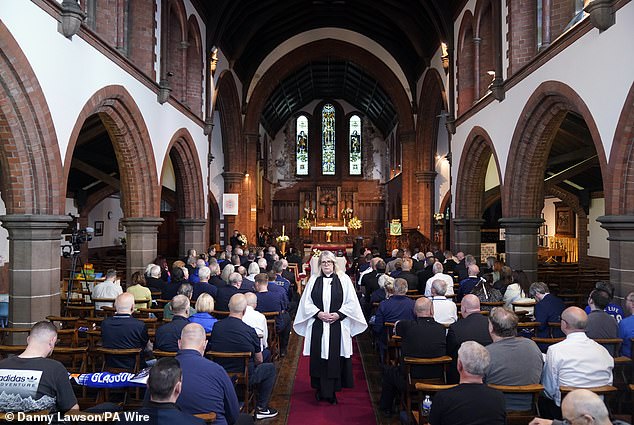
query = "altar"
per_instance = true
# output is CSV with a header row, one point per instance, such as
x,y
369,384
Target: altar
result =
x,y
329,233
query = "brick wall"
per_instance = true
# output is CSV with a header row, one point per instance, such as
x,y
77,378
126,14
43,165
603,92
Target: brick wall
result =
x,y
522,27
194,71
465,72
175,58
487,46
141,41
106,20
560,15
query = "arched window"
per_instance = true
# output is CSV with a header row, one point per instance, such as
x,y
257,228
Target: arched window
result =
x,y
328,140
302,145
354,144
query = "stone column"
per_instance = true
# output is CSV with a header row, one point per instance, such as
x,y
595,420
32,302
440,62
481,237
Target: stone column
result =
x,y
191,233
467,236
34,271
546,9
476,68
521,244
621,236
140,242
426,191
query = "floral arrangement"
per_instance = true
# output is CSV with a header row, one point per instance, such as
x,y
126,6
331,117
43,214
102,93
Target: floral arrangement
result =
x,y
316,252
243,239
282,238
303,223
346,213
310,215
355,223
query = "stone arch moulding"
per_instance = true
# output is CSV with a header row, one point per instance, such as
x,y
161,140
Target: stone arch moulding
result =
x,y
133,149
522,194
433,100
620,187
189,180
336,49
465,64
228,106
474,162
30,161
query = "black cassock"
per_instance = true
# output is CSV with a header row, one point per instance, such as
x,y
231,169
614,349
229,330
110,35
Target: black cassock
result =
x,y
329,376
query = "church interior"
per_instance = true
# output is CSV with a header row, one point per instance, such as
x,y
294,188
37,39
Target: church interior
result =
x,y
131,129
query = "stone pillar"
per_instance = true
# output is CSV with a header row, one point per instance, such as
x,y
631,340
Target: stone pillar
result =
x,y
426,191
546,32
621,236
191,234
140,242
476,69
34,271
467,236
233,184
521,244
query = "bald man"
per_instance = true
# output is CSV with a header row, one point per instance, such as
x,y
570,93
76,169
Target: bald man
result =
x,y
422,337
472,327
124,331
577,361
233,335
583,407
49,386
219,395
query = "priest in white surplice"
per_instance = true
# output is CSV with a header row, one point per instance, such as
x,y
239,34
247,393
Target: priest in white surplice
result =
x,y
328,316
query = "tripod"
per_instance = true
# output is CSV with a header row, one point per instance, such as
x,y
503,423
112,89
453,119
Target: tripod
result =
x,y
76,260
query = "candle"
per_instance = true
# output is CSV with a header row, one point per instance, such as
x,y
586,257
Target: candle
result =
x,y
283,230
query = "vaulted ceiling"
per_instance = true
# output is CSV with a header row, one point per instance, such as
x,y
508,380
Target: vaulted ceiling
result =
x,y
248,30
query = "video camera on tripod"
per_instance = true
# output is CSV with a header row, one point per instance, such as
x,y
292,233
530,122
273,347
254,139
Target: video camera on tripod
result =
x,y
76,238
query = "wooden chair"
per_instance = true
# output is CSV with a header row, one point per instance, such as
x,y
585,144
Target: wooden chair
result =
x,y
239,378
65,322
392,354
423,389
10,336
521,416
220,314
67,338
209,418
159,353
442,363
81,311
105,354
274,338
148,312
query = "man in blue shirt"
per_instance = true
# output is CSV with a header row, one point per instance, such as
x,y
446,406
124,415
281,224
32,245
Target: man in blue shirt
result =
x,y
467,285
626,327
612,309
206,386
268,302
278,268
168,334
547,310
232,335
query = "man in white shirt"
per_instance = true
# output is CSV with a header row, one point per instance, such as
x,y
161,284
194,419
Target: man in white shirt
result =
x,y
109,288
257,321
577,361
445,310
438,274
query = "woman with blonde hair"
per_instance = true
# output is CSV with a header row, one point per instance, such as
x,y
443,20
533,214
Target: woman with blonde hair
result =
x,y
328,316
204,308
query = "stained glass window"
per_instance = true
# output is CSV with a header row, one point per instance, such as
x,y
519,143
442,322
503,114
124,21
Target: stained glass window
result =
x,y
302,145
355,145
328,140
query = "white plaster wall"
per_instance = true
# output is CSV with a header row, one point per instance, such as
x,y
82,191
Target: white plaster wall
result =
x,y
492,178
593,65
4,236
599,246
71,71
111,233
168,177
549,214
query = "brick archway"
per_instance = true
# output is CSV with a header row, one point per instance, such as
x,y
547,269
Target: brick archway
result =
x,y
523,190
465,64
472,171
421,188
620,189
334,49
30,161
189,180
131,142
228,106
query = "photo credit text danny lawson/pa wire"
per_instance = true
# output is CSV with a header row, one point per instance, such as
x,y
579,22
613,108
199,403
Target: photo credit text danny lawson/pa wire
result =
x,y
76,417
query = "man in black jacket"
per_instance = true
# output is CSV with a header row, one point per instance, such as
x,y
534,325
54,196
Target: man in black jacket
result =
x,y
472,327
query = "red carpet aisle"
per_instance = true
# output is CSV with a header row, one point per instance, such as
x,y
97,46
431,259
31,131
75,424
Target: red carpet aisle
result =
x,y
354,408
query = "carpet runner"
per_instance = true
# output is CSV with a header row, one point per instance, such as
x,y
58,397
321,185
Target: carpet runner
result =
x,y
354,408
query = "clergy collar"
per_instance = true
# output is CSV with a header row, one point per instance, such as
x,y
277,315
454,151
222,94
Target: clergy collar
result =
x,y
329,277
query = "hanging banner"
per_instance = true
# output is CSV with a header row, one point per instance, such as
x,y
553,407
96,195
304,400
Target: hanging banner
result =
x,y
230,204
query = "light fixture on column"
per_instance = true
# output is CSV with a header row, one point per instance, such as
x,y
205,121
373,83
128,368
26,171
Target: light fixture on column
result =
x,y
72,17
601,13
497,86
164,89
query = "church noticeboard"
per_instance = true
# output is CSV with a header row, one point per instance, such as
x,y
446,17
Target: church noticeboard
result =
x,y
395,228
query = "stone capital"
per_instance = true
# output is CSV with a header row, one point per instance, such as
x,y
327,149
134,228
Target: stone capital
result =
x,y
191,222
425,176
233,177
619,227
142,224
467,222
521,225
34,226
